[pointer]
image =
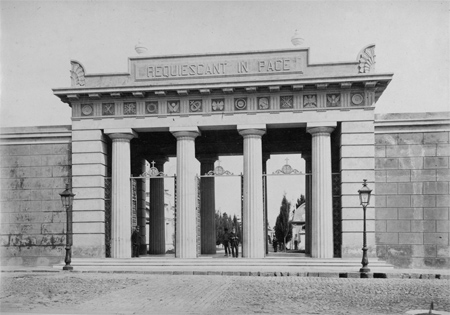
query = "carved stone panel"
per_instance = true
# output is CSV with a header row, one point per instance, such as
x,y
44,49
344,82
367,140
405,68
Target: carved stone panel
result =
x,y
310,101
218,105
195,106
286,102
108,109
263,103
333,100
357,99
151,107
87,110
129,108
240,103
173,107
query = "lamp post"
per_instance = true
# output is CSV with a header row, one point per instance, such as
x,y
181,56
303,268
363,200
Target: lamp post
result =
x,y
364,197
67,199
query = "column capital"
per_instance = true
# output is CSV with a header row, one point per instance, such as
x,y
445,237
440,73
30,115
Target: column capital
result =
x,y
185,132
251,130
315,128
121,134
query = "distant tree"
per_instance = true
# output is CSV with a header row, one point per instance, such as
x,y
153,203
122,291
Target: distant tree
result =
x,y
237,227
283,226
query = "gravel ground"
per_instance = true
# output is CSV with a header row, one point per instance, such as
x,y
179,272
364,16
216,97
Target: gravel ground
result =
x,y
116,293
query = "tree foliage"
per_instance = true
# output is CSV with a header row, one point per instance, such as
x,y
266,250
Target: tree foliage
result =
x,y
283,226
300,201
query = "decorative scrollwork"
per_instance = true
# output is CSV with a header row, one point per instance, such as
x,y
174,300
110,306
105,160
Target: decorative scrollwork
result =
x,y
77,74
287,170
366,59
218,171
153,172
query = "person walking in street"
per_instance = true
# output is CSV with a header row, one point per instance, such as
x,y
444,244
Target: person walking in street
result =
x,y
234,242
226,242
136,241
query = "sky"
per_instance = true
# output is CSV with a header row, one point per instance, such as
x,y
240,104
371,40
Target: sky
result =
x,y
39,38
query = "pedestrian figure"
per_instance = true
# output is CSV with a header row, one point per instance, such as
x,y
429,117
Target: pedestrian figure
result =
x,y
136,241
226,242
296,244
234,242
275,244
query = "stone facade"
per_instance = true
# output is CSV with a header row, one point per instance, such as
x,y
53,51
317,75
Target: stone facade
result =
x,y
412,188
35,166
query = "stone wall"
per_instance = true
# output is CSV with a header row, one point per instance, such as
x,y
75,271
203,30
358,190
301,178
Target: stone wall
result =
x,y
35,165
412,188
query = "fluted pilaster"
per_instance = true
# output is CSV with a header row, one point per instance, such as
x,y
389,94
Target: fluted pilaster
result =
x,y
121,195
157,234
186,192
208,206
253,216
322,201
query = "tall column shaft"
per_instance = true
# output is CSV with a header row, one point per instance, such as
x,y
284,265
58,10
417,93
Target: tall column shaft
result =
x,y
208,206
157,234
308,197
186,235
322,201
121,196
253,216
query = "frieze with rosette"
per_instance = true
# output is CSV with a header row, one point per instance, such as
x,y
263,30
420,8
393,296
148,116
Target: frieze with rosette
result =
x,y
151,107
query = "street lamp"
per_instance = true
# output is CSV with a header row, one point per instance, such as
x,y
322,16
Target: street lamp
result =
x,y
67,199
364,197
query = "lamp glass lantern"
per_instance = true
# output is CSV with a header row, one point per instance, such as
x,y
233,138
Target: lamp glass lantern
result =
x,y
67,197
364,194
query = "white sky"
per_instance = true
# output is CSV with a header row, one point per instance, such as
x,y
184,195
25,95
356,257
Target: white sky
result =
x,y
38,40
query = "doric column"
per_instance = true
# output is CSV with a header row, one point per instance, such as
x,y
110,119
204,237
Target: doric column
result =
x,y
208,205
322,199
253,216
186,232
121,193
157,219
308,181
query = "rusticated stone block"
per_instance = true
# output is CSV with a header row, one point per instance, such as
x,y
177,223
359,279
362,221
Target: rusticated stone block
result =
x,y
357,151
410,163
410,150
435,137
380,226
443,175
398,176
410,238
410,188
443,226
435,188
386,139
442,200
403,201
386,188
399,255
423,250
443,251
437,262
386,213
436,213
418,201
18,149
435,238
386,238
423,175
386,163
398,226
423,226
435,162
410,138
380,176
443,150
380,151
410,213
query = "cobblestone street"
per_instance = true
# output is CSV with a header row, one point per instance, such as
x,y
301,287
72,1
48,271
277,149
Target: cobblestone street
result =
x,y
121,293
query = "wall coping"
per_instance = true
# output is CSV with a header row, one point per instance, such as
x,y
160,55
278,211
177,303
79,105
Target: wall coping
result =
x,y
412,122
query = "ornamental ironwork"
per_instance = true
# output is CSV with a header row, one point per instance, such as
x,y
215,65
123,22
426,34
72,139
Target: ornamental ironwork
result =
x,y
219,171
153,172
287,170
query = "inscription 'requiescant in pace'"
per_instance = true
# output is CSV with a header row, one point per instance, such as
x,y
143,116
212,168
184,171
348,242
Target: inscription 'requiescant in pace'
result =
x,y
179,70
